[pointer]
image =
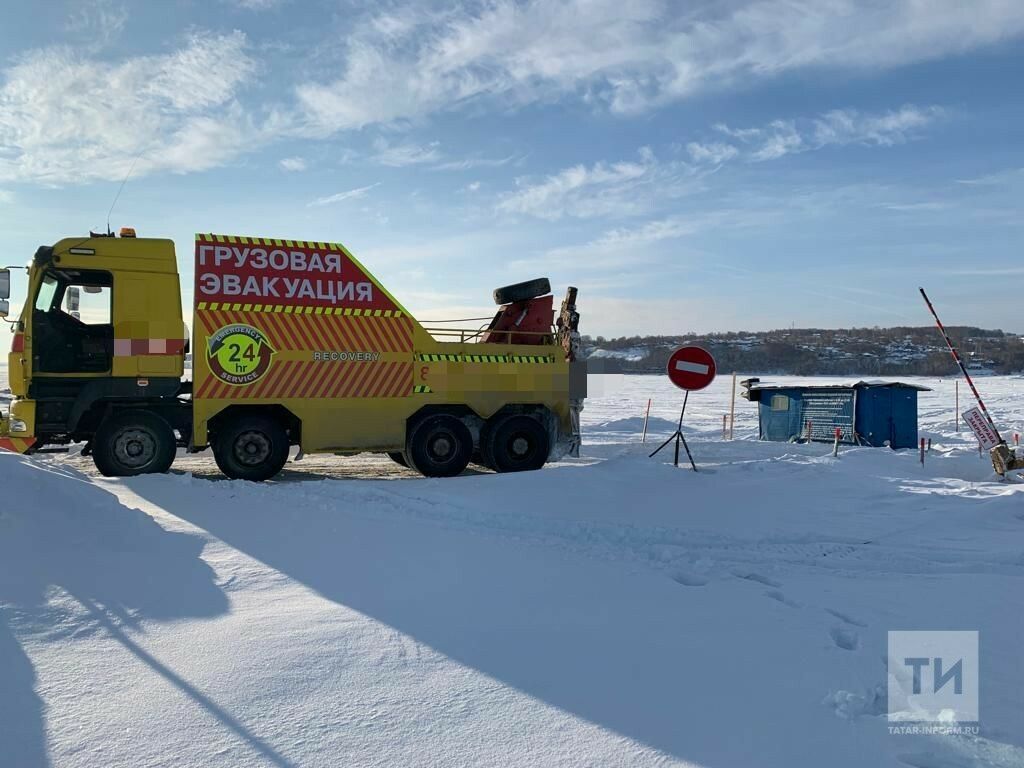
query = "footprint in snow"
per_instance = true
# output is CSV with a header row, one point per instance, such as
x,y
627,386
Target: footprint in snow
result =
x,y
846,618
777,595
759,579
844,638
689,580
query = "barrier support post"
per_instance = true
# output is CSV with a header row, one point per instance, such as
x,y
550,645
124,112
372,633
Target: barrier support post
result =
x,y
732,408
956,407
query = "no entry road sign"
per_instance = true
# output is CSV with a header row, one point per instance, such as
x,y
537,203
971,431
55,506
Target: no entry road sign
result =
x,y
691,368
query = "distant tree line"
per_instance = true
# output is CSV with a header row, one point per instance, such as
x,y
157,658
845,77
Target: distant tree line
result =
x,y
907,351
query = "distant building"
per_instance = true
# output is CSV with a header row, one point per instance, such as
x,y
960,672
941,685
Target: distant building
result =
x,y
877,413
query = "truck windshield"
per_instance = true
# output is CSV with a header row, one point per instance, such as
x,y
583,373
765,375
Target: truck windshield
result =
x,y
44,299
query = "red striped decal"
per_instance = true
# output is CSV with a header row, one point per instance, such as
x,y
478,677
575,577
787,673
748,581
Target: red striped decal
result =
x,y
325,384
377,375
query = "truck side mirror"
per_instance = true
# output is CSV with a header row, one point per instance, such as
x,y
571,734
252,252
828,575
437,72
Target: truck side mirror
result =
x,y
5,308
5,283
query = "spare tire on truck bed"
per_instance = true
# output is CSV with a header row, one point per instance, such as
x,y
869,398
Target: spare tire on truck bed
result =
x,y
531,289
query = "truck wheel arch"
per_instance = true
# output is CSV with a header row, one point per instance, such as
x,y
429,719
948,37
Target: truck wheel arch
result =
x,y
291,423
473,420
98,395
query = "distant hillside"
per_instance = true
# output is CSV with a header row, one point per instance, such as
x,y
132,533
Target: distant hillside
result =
x,y
812,351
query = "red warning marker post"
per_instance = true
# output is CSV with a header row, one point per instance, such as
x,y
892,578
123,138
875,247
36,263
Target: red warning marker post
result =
x,y
690,369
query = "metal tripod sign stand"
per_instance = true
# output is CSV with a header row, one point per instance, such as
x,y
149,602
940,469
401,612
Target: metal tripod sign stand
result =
x,y
689,368
678,437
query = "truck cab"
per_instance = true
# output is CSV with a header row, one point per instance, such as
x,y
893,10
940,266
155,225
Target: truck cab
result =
x,y
84,342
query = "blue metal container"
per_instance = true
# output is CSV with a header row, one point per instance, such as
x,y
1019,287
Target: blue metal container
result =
x,y
877,413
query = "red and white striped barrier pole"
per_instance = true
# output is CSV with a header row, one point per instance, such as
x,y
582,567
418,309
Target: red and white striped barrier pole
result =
x,y
959,362
835,448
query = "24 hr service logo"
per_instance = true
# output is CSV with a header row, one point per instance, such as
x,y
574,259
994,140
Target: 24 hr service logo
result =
x,y
239,354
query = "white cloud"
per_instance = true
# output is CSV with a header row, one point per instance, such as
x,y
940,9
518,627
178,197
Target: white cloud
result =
x,y
401,155
995,179
840,127
605,252
97,22
473,186
412,62
6,196
926,206
847,126
65,118
256,5
582,192
670,228
346,195
714,152
780,138
292,164
470,163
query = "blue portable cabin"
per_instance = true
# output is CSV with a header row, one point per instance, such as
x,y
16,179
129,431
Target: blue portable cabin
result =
x,y
877,413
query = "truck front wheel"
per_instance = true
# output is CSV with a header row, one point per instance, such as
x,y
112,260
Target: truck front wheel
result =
x,y
251,448
133,442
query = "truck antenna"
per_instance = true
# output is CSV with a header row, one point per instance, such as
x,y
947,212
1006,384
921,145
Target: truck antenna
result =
x,y
120,189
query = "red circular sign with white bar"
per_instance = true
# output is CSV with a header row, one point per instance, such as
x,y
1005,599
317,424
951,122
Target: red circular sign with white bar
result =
x,y
691,368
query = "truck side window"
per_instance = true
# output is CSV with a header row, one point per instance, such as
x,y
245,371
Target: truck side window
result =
x,y
72,324
44,298
93,304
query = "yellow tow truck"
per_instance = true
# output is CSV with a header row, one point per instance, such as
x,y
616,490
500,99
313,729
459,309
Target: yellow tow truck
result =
x,y
294,343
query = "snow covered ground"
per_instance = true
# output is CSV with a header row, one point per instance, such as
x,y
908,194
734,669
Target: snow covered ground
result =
x,y
610,610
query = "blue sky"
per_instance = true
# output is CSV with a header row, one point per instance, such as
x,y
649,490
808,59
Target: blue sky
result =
x,y
690,167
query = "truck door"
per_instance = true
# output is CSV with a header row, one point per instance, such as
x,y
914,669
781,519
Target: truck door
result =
x,y
72,332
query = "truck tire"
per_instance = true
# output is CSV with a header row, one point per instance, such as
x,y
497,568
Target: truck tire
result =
x,y
531,289
482,456
399,458
133,442
439,446
251,448
517,443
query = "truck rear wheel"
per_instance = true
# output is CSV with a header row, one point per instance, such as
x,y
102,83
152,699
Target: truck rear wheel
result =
x,y
251,448
439,446
517,443
133,442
